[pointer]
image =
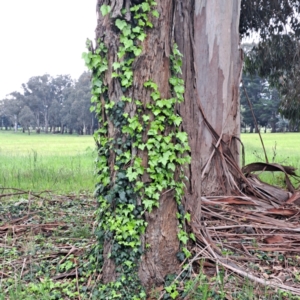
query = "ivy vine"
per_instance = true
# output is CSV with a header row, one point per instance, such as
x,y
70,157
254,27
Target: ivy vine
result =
x,y
122,195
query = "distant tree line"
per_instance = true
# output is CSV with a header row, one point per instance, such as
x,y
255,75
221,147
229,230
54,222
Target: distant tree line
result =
x,y
267,107
62,105
50,104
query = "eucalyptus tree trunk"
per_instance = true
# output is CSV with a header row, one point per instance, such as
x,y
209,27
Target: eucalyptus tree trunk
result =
x,y
37,120
46,119
206,32
212,71
15,123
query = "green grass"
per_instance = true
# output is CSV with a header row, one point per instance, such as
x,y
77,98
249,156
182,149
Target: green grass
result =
x,y
49,227
65,163
282,148
61,163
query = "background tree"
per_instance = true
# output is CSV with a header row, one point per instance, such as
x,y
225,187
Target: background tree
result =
x,y
66,117
58,102
13,106
269,18
41,91
4,119
274,108
55,115
265,102
81,117
276,56
26,118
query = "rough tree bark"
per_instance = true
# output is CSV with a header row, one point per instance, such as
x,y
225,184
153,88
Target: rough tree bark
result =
x,y
206,32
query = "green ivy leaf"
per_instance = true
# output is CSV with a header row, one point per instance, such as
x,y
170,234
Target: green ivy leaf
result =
x,y
131,175
86,58
126,31
137,29
165,158
116,65
153,3
135,8
137,51
120,24
177,121
184,239
155,95
182,136
171,167
173,80
145,6
126,99
128,74
139,185
122,196
127,43
142,36
149,24
155,13
97,61
174,294
187,216
141,23
148,204
192,236
105,9
151,84
97,82
121,53
142,146
179,89
103,68
187,253
146,118
156,112
125,82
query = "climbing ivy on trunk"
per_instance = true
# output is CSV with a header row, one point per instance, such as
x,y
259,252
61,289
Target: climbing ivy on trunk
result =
x,y
130,186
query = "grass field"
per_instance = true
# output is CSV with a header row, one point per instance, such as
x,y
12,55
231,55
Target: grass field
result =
x,y
45,238
61,163
282,148
65,163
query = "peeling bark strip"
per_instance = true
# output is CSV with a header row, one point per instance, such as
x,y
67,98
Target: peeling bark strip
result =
x,y
212,68
207,34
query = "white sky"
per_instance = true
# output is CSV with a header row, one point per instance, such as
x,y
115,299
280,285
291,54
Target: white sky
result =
x,y
39,36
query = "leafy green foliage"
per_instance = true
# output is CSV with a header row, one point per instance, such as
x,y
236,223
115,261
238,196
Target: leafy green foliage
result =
x,y
276,56
105,9
58,103
264,99
26,117
277,59
269,18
